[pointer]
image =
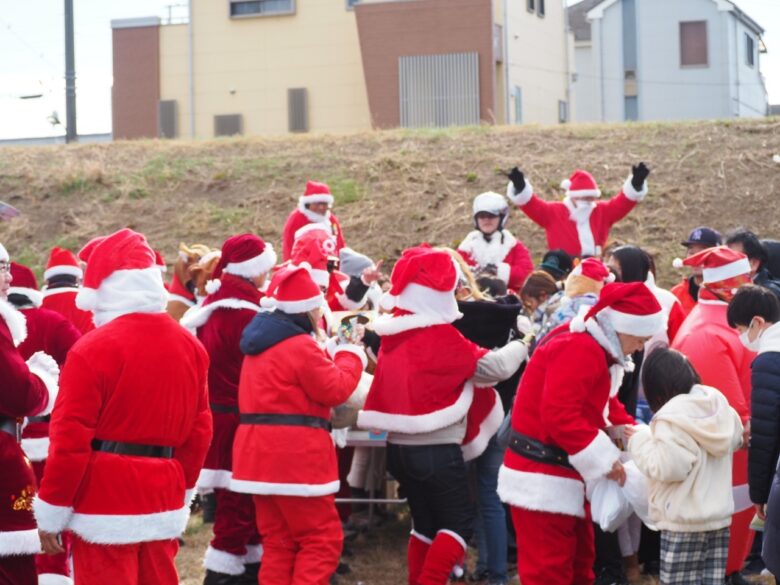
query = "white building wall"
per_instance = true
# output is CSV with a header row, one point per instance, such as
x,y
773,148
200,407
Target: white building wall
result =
x,y
607,35
749,90
586,89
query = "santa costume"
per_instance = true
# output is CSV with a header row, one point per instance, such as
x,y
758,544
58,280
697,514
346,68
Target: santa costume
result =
x,y
53,334
302,215
26,390
581,228
283,453
499,251
566,398
63,275
687,291
218,323
131,425
714,350
423,388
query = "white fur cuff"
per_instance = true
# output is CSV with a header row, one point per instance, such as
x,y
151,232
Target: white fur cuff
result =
x,y
43,365
51,518
223,562
54,579
596,460
633,194
519,198
353,349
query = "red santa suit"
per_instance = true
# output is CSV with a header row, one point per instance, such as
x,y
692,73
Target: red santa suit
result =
x,y
583,229
567,396
714,350
283,453
301,216
131,426
219,323
62,275
25,391
682,290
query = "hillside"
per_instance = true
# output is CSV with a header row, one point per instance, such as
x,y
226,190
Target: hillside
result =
x,y
393,189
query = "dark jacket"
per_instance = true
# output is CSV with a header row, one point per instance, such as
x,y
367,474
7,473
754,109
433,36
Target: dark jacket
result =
x,y
767,280
764,424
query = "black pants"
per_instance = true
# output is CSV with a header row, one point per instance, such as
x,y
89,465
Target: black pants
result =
x,y
433,479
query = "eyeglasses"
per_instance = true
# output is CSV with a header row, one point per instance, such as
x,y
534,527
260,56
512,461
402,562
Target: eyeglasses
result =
x,y
5,267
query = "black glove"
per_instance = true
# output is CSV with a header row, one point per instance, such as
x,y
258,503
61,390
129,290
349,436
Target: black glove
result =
x,y
517,178
490,269
639,175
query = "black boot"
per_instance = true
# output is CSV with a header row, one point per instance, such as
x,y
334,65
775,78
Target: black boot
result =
x,y
209,504
215,578
251,574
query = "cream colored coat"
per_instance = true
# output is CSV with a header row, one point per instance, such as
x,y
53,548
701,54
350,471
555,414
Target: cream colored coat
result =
x,y
686,455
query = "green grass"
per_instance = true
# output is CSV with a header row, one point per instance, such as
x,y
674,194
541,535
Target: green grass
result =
x,y
345,190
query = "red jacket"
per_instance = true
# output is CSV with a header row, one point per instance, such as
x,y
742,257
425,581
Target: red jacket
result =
x,y
296,220
63,301
286,372
140,378
682,291
509,255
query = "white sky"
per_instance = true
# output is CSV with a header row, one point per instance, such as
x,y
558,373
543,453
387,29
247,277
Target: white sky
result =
x,y
32,59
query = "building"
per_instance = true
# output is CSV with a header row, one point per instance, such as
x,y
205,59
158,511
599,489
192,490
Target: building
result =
x,y
665,60
276,66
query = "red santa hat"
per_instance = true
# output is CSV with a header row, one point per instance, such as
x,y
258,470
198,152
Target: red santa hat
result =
x,y
630,307
160,261
581,184
315,247
62,262
292,290
316,193
24,283
245,255
121,277
594,269
719,264
86,251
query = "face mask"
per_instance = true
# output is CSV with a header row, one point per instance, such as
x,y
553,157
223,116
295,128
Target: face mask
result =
x,y
745,339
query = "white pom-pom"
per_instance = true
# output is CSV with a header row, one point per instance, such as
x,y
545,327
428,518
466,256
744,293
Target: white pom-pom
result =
x,y
268,302
388,301
86,299
212,286
610,279
577,324
678,263
565,184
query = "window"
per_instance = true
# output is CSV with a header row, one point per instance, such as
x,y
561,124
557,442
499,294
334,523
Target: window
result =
x,y
563,111
298,109
228,125
693,44
351,4
240,8
531,5
540,7
750,50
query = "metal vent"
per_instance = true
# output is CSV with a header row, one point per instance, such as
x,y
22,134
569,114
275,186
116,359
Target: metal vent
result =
x,y
298,109
167,119
228,125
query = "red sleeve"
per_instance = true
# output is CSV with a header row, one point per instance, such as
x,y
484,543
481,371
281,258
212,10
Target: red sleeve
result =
x,y
618,414
21,392
521,266
616,208
467,257
324,381
539,211
64,334
676,318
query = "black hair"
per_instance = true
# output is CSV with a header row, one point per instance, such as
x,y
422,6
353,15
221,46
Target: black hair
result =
x,y
751,245
61,281
665,374
751,301
634,263
494,287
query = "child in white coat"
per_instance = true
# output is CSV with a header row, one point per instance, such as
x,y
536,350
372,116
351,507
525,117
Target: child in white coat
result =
x,y
686,454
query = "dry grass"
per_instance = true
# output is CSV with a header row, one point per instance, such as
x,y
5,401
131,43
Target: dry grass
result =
x,y
393,188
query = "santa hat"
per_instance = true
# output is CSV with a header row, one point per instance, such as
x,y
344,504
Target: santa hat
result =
x,y
581,184
315,248
292,290
4,257
160,261
594,269
25,284
316,226
85,253
630,308
244,255
121,277
62,262
423,282
316,193
719,264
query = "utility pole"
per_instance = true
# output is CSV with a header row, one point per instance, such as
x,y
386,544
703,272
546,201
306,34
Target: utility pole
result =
x,y
71,133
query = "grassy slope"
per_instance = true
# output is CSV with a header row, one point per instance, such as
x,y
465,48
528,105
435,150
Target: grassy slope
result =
x,y
393,189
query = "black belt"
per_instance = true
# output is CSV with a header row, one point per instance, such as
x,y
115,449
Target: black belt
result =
x,y
120,448
296,420
8,425
538,451
39,419
223,408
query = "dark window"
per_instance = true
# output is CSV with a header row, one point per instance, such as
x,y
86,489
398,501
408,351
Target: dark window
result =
x,y
540,7
693,44
563,111
248,8
531,5
167,117
297,110
750,48
228,125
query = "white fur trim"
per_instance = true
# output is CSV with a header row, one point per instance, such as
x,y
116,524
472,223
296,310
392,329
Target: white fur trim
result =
x,y
253,267
389,325
36,449
581,218
457,537
730,270
487,429
19,542
51,518
196,317
583,193
54,579
314,217
65,269
350,305
213,285
315,226
172,298
420,423
503,271
35,296
50,292
293,307
223,562
639,325
127,529
43,365
124,292
422,300
320,277
633,194
353,349
254,554
16,322
521,198
483,252
420,537
211,479
541,492
595,460
318,198
206,258
267,488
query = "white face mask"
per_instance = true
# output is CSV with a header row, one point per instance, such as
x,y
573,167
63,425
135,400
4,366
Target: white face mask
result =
x,y
745,339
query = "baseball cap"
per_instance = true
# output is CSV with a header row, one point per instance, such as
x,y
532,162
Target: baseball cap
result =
x,y
703,236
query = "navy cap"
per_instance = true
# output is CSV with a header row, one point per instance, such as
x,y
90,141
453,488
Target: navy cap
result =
x,y
703,236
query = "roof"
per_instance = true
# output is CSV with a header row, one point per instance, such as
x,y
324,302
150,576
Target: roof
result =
x,y
749,22
578,18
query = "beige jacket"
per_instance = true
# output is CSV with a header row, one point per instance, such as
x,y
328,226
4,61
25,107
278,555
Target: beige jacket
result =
x,y
686,455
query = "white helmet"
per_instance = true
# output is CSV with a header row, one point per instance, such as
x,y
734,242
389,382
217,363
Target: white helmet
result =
x,y
492,203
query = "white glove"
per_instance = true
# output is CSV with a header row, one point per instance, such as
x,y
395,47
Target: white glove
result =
x,y
524,325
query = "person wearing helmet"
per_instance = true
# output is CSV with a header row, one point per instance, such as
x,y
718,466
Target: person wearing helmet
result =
x,y
492,249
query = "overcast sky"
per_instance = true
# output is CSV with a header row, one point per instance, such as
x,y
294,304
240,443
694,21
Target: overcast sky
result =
x,y
32,59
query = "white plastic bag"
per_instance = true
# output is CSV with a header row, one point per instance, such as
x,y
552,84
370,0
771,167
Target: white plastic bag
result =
x,y
609,506
636,492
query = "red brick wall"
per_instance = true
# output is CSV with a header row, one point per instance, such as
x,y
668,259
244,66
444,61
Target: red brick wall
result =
x,y
136,88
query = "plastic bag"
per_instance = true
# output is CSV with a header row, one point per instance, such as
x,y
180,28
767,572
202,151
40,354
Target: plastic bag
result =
x,y
609,506
636,492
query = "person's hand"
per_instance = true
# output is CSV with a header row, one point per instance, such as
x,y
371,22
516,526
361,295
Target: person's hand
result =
x,y
50,543
639,175
517,178
760,511
629,431
372,274
488,270
746,436
618,474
